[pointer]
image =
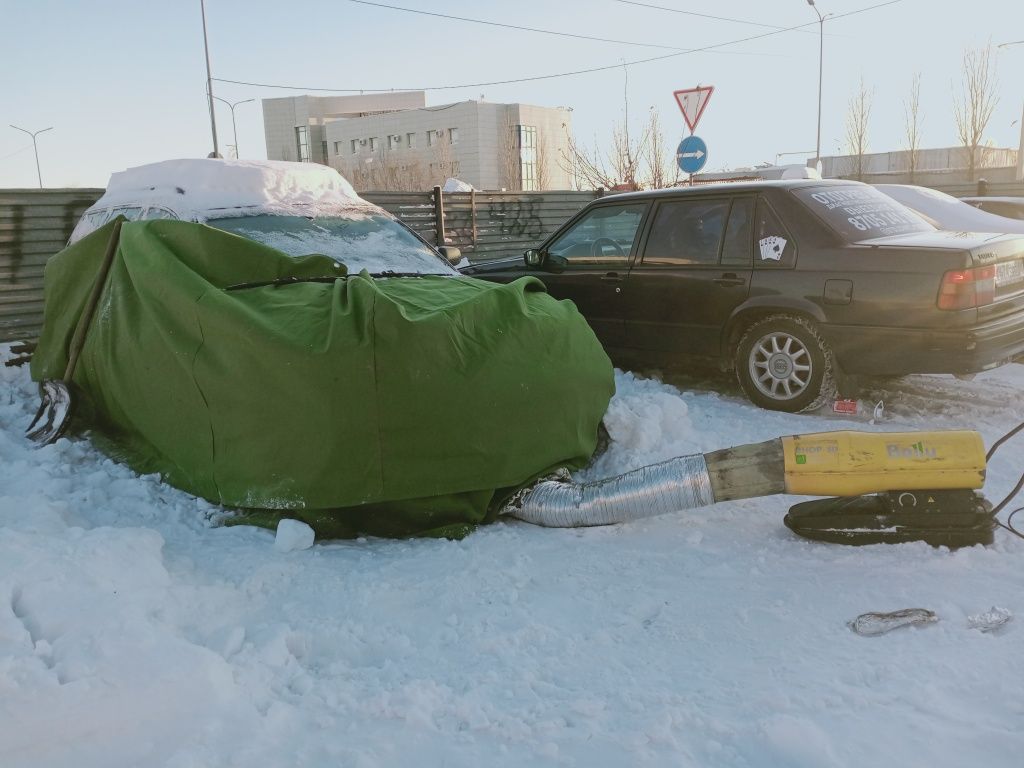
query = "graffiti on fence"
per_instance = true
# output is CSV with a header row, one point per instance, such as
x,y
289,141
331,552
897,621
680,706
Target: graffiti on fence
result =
x,y
518,218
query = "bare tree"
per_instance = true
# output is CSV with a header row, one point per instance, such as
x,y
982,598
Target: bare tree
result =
x,y
508,154
380,172
587,167
662,170
628,164
977,101
444,164
543,159
912,124
857,117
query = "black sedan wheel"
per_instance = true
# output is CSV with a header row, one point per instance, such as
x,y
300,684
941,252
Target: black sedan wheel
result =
x,y
784,364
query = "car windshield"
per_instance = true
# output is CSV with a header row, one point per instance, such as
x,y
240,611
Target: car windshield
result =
x,y
859,212
360,241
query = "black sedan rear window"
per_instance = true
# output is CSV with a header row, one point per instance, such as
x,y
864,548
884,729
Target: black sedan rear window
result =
x,y
860,212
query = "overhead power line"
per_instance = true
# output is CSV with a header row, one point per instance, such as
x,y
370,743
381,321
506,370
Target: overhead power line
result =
x,y
516,26
701,15
534,78
26,148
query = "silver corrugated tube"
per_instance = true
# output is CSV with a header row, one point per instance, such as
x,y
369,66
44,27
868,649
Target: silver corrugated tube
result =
x,y
673,485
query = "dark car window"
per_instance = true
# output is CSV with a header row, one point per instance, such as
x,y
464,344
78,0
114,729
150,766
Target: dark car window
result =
x,y
859,212
773,247
686,232
603,236
736,249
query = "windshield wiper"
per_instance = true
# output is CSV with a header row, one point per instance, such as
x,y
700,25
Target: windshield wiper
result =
x,y
285,281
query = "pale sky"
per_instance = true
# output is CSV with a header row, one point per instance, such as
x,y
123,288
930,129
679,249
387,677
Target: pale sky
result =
x,y
123,83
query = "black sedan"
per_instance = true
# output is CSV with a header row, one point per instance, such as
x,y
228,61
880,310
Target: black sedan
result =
x,y
797,285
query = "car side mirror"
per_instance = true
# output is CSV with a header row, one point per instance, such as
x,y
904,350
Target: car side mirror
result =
x,y
555,263
533,258
452,254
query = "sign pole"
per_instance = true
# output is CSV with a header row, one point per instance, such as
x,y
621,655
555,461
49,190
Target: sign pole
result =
x,y
692,153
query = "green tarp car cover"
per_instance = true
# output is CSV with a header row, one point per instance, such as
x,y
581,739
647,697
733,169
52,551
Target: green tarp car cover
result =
x,y
393,407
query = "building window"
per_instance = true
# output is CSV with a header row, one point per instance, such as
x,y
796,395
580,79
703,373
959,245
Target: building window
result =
x,y
355,146
393,141
453,135
410,140
337,147
374,143
323,151
431,138
527,140
302,143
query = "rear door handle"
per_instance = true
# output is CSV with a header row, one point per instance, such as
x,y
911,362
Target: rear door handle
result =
x,y
729,279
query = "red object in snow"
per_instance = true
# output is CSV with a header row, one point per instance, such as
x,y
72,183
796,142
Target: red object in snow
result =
x,y
848,407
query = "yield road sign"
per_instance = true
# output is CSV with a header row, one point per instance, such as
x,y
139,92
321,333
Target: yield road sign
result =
x,y
692,103
691,154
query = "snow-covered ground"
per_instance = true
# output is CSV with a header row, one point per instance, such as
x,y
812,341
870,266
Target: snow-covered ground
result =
x,y
136,632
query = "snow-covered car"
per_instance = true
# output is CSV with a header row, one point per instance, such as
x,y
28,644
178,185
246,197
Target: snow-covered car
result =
x,y
266,340
298,208
1010,207
947,212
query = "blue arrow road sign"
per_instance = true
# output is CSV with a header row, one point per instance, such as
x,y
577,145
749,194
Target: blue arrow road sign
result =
x,y
692,154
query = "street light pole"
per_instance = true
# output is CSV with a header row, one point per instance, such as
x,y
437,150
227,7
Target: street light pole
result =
x,y
35,148
234,128
821,58
209,81
784,154
1020,152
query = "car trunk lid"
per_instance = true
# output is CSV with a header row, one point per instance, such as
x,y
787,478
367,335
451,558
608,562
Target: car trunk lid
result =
x,y
1004,257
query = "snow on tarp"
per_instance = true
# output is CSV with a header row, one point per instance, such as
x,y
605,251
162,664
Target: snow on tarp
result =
x,y
204,187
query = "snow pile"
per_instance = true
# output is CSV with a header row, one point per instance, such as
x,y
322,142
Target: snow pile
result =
x,y
135,631
456,185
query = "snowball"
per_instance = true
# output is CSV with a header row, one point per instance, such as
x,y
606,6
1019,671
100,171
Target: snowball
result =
x,y
293,535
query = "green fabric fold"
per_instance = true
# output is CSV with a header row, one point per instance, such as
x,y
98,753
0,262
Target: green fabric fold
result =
x,y
392,407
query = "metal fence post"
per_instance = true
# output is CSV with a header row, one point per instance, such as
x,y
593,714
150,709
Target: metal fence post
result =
x,y
439,216
472,211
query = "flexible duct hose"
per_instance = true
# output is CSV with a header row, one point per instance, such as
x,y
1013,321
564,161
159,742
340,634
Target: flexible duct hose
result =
x,y
670,486
830,463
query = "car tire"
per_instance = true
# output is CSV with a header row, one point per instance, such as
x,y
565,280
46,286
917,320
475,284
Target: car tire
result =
x,y
784,364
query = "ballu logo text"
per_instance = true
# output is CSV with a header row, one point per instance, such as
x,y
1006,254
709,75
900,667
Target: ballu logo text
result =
x,y
916,451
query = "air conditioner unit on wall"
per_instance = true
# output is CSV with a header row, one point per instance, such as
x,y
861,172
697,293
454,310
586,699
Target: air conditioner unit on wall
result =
x,y
362,141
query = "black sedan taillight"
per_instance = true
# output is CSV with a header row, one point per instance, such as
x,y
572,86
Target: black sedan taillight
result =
x,y
967,288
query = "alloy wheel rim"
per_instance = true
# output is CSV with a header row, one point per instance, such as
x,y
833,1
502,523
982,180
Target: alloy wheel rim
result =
x,y
780,366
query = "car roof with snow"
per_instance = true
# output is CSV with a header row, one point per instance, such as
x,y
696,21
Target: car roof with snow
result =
x,y
315,210
205,188
948,212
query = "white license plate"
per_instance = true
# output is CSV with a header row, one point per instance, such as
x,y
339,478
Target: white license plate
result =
x,y
1009,272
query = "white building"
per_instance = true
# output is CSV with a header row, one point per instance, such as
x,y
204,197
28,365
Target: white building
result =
x,y
294,125
381,147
